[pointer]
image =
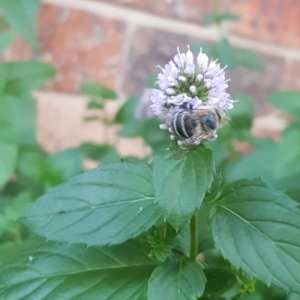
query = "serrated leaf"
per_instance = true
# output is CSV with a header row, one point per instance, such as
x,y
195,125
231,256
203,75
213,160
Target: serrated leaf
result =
x,y
257,229
21,16
218,280
215,187
243,113
180,183
96,90
61,271
205,239
248,59
107,205
286,101
6,38
177,280
287,156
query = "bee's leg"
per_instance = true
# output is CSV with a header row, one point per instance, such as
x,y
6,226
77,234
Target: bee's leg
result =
x,y
212,137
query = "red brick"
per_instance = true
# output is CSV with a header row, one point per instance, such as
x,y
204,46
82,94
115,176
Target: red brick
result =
x,y
272,21
80,45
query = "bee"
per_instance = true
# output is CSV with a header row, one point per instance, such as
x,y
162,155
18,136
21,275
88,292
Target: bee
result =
x,y
197,124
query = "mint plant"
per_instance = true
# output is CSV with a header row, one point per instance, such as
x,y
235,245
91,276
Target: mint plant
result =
x,y
169,229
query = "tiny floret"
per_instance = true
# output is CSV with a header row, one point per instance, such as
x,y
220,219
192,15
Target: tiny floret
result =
x,y
191,98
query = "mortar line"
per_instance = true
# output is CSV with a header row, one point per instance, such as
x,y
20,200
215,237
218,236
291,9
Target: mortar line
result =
x,y
131,29
144,19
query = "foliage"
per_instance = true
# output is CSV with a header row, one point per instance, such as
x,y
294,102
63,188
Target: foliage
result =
x,y
208,223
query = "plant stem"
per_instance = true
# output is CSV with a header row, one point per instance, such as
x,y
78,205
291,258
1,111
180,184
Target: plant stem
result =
x,y
194,238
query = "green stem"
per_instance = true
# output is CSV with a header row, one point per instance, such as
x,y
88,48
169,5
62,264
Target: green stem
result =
x,y
194,238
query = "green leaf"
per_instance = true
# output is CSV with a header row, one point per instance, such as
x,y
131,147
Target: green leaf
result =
x,y
95,104
21,16
218,280
8,249
23,118
127,111
217,18
205,239
6,38
230,17
8,158
257,164
220,146
243,113
107,205
8,144
226,54
180,183
257,229
104,153
61,271
8,224
177,280
68,162
215,187
132,128
219,298
22,77
287,156
156,138
95,90
210,18
248,59
94,151
112,156
286,101
126,115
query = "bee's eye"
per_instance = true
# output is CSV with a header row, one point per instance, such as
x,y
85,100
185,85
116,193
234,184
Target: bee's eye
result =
x,y
208,122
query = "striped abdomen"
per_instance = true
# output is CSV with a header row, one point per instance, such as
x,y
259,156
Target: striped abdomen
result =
x,y
183,125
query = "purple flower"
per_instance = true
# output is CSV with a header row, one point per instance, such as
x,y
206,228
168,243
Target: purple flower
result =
x,y
188,83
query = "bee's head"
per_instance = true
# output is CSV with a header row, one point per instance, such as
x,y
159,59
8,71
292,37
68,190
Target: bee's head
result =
x,y
220,113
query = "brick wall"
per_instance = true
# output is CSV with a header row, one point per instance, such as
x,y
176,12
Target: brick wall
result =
x,y
118,43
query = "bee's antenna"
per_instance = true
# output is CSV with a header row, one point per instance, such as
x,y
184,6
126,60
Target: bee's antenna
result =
x,y
230,122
